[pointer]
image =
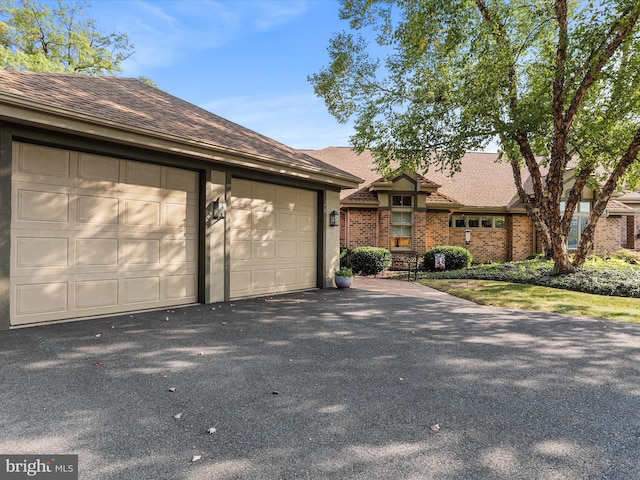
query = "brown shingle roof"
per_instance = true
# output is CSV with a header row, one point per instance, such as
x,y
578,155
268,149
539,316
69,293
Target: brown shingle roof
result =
x,y
359,165
129,102
482,182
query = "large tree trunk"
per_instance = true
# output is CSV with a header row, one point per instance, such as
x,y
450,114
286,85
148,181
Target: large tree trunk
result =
x,y
586,240
561,261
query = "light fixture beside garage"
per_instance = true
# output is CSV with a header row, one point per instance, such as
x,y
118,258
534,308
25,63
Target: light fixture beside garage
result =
x,y
334,219
219,209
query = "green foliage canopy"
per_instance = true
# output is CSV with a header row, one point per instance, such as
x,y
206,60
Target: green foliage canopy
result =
x,y
554,84
60,38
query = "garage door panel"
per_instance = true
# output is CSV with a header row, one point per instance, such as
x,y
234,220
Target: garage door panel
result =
x,y
97,252
98,168
240,283
38,160
241,250
287,198
98,210
264,249
181,251
141,251
266,252
42,252
306,223
306,276
142,213
145,174
181,180
94,244
240,220
180,215
96,293
287,277
142,290
307,250
41,298
263,221
287,249
43,206
263,194
180,286
287,222
264,279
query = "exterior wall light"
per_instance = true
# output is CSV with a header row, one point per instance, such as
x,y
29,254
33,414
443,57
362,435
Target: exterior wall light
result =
x,y
219,209
467,237
334,219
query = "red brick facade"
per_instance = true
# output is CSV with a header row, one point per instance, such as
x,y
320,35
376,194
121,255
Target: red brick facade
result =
x,y
607,236
630,232
431,229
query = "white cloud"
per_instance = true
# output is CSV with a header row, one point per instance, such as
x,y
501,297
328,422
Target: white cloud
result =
x,y
164,31
298,120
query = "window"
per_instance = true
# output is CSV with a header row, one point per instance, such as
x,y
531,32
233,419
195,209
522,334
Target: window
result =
x,y
578,222
458,222
402,201
401,229
462,221
473,222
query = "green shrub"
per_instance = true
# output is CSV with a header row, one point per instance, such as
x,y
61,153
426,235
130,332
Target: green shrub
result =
x,y
369,260
628,256
455,258
345,257
597,277
344,272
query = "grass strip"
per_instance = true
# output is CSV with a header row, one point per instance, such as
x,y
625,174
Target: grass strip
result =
x,y
545,299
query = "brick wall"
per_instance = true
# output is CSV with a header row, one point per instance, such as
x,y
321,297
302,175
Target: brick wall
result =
x,y
431,229
607,235
363,225
437,231
384,237
522,237
487,244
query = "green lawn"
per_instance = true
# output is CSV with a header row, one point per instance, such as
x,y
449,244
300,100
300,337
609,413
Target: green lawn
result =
x,y
532,297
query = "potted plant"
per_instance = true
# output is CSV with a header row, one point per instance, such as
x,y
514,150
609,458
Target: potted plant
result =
x,y
344,277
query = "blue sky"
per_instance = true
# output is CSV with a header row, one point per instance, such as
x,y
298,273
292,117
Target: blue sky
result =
x,y
245,60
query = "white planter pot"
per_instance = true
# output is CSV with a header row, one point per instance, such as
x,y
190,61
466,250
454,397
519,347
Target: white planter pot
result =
x,y
343,282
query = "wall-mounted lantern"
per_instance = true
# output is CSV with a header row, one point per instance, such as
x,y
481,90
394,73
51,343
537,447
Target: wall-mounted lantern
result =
x,y
334,219
219,209
467,237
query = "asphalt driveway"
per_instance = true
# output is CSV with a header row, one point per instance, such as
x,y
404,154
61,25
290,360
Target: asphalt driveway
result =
x,y
388,380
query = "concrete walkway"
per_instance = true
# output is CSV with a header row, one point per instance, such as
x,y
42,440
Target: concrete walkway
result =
x,y
388,380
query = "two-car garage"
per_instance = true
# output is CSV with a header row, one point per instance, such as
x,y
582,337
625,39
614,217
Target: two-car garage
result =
x,y
107,189
93,234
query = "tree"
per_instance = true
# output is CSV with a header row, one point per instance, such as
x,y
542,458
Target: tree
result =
x,y
60,38
554,84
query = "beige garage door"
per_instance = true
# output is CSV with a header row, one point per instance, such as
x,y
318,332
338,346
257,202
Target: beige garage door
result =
x,y
273,238
96,235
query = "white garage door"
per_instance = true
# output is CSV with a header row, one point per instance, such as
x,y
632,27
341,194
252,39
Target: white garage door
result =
x,y
95,235
273,238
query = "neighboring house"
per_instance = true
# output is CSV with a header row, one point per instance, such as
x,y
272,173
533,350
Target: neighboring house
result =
x,y
113,196
410,214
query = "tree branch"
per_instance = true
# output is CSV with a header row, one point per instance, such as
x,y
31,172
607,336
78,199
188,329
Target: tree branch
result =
x,y
624,25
